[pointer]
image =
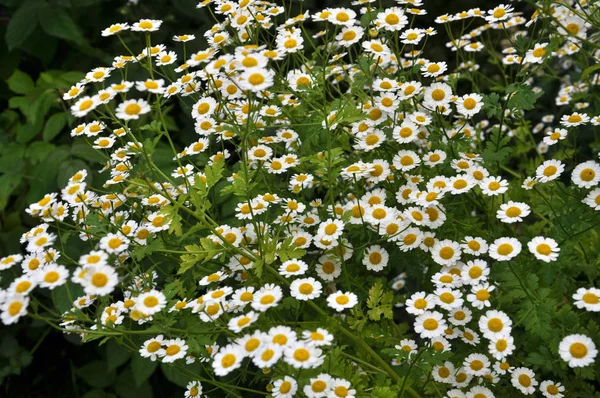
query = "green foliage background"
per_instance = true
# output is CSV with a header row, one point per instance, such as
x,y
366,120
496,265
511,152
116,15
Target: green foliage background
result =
x,y
46,46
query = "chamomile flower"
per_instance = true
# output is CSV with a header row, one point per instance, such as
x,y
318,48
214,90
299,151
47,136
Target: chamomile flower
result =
x,y
303,356
419,303
593,199
446,252
480,295
193,390
13,307
474,272
550,389
228,359
319,337
284,388
305,289
586,174
376,258
132,109
545,249
477,364
588,299
151,302
268,296
494,324
501,346
51,276
493,186
146,25
475,246
574,119
524,380
504,249
340,301
293,267
469,105
512,212
430,324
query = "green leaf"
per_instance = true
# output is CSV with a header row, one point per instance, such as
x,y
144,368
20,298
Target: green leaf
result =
x,y
521,97
58,23
590,70
174,376
8,183
22,23
54,125
38,151
95,374
27,132
116,355
125,388
20,82
379,303
491,105
85,152
142,369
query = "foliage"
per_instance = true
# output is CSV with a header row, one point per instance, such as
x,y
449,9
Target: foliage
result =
x,y
334,200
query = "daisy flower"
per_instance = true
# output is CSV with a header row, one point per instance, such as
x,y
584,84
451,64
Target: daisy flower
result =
x,y
469,104
268,296
305,289
340,301
493,186
238,323
504,249
193,389
545,249
477,364
586,174
13,307
475,246
303,356
227,359
392,19
430,324
151,302
341,388
52,275
524,380
284,388
153,348
376,258
146,25
319,337
293,267
446,252
474,272
549,170
480,295
593,199
588,299
132,109
577,350
494,324
550,389
512,212
574,119
318,386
